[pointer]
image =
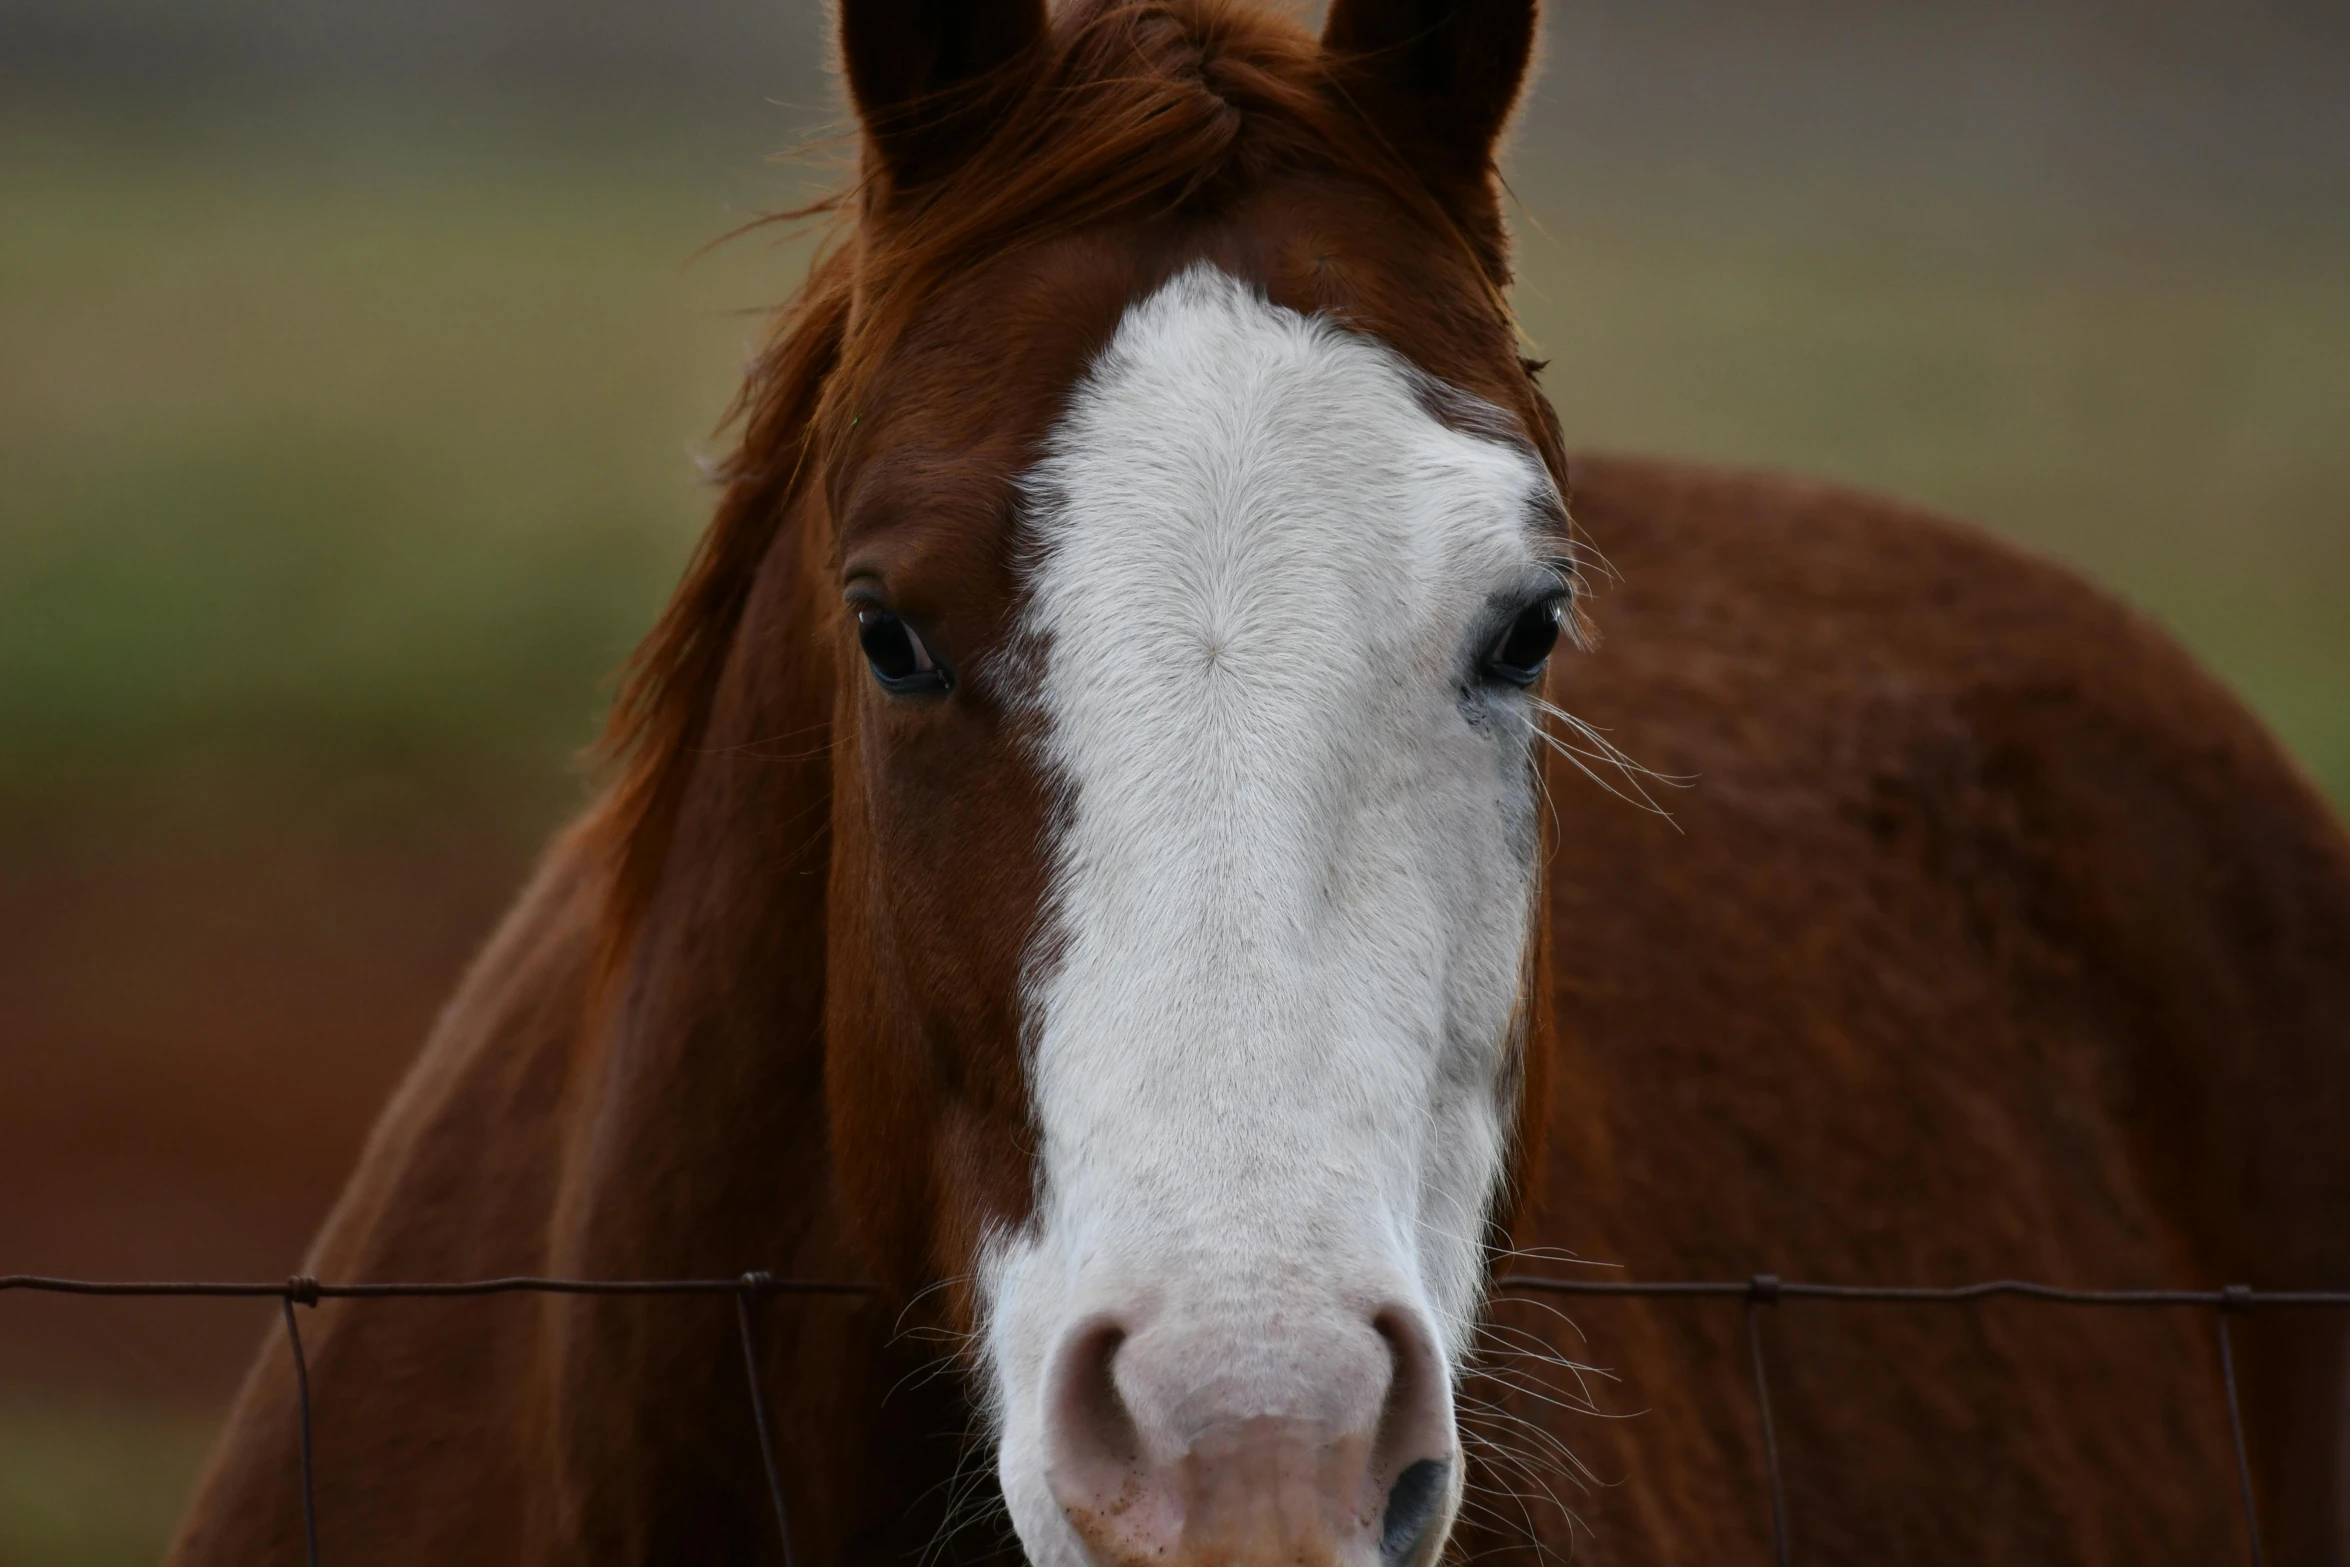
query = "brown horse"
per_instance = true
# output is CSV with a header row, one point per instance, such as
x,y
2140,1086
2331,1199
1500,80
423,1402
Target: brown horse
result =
x,y
1098,849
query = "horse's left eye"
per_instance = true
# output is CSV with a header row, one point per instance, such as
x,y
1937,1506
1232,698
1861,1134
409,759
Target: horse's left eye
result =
x,y
1521,651
900,662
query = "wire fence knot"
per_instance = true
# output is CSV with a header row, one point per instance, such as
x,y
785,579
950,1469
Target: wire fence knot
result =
x,y
302,1290
2236,1298
1763,1289
759,1281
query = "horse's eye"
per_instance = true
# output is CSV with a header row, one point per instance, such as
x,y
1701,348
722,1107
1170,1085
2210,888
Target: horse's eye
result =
x,y
1522,650
900,661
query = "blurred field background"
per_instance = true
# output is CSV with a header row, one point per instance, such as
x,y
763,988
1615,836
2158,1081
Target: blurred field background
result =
x,y
354,357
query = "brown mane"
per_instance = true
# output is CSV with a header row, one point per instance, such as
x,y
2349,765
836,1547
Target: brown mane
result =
x,y
1136,112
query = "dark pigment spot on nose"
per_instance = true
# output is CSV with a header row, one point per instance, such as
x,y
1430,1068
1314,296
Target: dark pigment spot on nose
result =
x,y
1411,1508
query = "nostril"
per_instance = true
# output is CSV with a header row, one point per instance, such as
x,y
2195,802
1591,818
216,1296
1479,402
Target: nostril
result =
x,y
1415,1441
1092,1432
1411,1507
1416,1421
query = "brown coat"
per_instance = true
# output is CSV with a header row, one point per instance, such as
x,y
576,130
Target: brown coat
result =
x,y
1996,940
1993,939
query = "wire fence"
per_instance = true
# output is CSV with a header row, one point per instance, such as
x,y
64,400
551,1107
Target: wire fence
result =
x,y
1757,1295
1767,1290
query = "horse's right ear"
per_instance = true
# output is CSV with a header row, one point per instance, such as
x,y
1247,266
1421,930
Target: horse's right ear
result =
x,y
926,74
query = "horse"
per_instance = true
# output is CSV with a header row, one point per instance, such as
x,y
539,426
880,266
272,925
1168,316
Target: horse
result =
x,y
1102,848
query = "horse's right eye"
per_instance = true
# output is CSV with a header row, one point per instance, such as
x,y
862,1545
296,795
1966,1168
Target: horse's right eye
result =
x,y
900,662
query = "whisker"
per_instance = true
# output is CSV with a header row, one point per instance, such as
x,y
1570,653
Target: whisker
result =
x,y
1549,1308
1522,1344
1550,1441
1607,750
1607,756
1546,1254
1615,755
1583,1401
968,1484
1504,1461
1580,1402
1510,1468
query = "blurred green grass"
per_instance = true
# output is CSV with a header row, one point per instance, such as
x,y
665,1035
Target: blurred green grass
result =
x,y
352,461
93,1485
360,457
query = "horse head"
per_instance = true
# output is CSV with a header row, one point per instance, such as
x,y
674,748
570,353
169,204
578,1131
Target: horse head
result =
x,y
1162,541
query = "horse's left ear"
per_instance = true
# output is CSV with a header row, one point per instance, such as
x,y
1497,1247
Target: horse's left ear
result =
x,y
1452,68
925,74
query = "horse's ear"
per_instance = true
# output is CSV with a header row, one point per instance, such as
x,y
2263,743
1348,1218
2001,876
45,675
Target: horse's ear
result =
x,y
1450,68
925,74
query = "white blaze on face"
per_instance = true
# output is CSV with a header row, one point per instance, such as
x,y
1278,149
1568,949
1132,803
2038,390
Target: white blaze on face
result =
x,y
1270,1021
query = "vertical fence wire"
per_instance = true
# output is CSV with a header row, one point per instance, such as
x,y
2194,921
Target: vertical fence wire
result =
x,y
2238,1298
304,1289
1763,1290
755,1284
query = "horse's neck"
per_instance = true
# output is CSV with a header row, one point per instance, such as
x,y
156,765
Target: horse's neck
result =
x,y
699,1135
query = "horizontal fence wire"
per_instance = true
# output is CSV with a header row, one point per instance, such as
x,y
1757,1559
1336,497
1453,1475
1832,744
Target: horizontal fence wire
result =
x,y
308,1290
1757,1295
1766,1290
2235,1297
305,1291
